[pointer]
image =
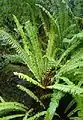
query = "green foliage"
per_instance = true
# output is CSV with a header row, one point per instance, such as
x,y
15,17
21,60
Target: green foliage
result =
x,y
67,88
19,8
56,96
25,77
37,115
78,8
11,117
79,100
30,93
7,107
52,68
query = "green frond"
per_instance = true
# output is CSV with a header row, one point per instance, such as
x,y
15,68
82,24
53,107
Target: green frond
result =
x,y
72,64
14,43
51,48
12,116
21,32
70,105
73,89
43,23
66,80
68,30
45,96
25,117
75,37
72,112
6,107
14,58
37,115
75,41
27,114
79,100
32,34
11,40
30,93
51,17
29,79
73,118
46,11
56,96
51,42
26,56
35,45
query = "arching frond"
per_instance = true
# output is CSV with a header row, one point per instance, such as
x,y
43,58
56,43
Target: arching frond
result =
x,y
73,89
27,57
6,107
56,96
30,93
37,115
79,100
12,116
29,79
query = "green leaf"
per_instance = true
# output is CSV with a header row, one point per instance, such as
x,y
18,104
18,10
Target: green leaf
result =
x,y
12,116
21,31
78,39
73,89
37,115
29,79
6,107
30,93
31,30
27,114
56,96
79,100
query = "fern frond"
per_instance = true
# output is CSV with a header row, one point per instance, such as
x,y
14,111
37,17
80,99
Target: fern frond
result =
x,y
69,106
14,43
6,107
72,112
45,96
30,93
68,30
70,65
21,32
33,37
32,34
43,23
29,79
27,56
51,17
27,114
73,118
73,89
37,115
13,58
79,100
48,13
12,116
66,80
25,117
78,39
51,42
56,96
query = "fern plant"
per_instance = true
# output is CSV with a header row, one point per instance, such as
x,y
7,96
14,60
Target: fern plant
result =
x,y
56,68
7,107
